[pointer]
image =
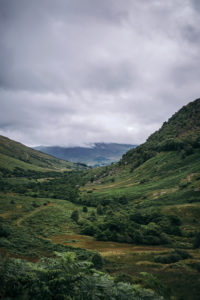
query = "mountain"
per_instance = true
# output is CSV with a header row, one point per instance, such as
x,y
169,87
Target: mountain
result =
x,y
151,198
162,164
141,213
98,155
181,132
162,175
14,154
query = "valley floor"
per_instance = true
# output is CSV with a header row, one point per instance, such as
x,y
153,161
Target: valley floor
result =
x,y
39,231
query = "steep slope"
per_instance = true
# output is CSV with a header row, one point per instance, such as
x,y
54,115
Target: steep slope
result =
x,y
143,213
181,132
14,154
98,155
167,161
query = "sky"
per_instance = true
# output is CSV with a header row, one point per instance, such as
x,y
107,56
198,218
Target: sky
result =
x,y
76,72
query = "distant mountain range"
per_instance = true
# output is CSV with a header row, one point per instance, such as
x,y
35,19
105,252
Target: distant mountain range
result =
x,y
100,154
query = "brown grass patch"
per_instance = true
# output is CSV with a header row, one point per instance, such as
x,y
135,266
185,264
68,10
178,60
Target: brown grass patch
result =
x,y
105,248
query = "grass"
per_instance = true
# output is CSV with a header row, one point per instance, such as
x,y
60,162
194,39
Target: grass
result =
x,y
31,223
39,226
10,163
161,178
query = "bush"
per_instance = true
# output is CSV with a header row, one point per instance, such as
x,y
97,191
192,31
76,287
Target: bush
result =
x,y
63,277
196,242
99,209
183,254
85,209
97,260
75,215
174,257
4,232
123,277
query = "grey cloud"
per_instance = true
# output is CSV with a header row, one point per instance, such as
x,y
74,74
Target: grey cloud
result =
x,y
111,77
196,4
83,71
192,34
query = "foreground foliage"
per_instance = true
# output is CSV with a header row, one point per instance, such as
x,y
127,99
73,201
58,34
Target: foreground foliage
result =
x,y
63,277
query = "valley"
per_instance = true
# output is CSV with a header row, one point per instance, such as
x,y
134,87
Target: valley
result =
x,y
137,220
98,154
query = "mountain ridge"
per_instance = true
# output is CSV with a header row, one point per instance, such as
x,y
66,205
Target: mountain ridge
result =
x,y
180,132
26,157
142,212
96,155
173,145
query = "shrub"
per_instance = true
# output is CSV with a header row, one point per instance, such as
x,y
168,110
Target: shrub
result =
x,y
175,256
75,215
183,253
97,260
99,209
123,277
196,242
85,209
4,232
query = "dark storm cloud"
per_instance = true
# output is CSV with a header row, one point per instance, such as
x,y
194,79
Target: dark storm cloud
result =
x,y
196,4
81,71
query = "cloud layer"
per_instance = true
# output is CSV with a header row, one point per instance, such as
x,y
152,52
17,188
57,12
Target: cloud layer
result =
x,y
83,71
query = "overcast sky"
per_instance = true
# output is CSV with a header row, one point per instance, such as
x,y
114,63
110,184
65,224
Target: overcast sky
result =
x,y
74,72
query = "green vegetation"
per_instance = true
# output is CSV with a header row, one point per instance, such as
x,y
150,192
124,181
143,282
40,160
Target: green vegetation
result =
x,y
14,154
63,277
132,226
137,220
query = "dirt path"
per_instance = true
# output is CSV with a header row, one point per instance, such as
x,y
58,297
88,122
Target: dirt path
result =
x,y
20,220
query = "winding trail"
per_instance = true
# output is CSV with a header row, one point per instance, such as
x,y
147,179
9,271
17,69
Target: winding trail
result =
x,y
30,214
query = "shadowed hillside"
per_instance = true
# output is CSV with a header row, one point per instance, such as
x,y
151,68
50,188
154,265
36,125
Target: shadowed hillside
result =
x,y
14,154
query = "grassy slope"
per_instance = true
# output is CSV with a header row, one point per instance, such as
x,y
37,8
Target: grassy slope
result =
x,y
168,180
156,182
14,154
165,173
31,222
164,170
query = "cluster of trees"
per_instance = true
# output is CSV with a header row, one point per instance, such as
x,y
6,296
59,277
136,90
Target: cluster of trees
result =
x,y
56,185
173,257
133,226
63,278
32,174
90,200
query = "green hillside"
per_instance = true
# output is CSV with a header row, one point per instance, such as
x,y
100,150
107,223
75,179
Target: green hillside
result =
x,y
137,220
152,197
180,133
163,161
14,154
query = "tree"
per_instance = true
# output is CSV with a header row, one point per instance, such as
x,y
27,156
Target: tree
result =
x,y
196,242
97,260
85,209
99,210
75,215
